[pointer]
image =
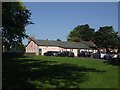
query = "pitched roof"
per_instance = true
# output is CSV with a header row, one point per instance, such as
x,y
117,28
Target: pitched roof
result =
x,y
91,44
63,44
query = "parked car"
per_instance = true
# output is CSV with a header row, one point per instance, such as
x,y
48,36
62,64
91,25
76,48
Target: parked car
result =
x,y
66,54
84,54
118,56
99,54
51,53
111,56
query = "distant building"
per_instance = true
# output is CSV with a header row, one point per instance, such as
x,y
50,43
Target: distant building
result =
x,y
39,47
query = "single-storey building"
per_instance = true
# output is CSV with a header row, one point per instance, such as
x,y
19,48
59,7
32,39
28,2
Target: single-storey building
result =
x,y
39,47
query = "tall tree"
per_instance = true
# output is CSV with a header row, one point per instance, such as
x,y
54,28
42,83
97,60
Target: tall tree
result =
x,y
106,37
58,39
119,44
81,32
15,18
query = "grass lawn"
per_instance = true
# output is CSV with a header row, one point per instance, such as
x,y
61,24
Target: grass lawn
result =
x,y
40,72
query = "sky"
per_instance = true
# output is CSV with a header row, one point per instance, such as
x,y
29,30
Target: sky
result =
x,y
55,20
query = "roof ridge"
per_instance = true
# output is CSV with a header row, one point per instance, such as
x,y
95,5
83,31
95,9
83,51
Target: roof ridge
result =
x,y
64,44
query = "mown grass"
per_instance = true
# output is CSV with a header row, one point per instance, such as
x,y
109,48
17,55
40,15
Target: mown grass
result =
x,y
40,72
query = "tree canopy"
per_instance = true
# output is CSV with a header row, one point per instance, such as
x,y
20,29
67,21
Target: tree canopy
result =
x,y
58,39
15,18
81,32
119,44
106,37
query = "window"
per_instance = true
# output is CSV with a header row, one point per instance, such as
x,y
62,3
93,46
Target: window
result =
x,y
71,50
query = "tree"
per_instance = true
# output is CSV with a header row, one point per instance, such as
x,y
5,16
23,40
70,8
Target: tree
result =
x,y
15,18
81,32
119,44
106,37
58,39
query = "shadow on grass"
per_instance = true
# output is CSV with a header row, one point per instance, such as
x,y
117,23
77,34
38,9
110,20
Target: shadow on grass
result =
x,y
38,74
114,62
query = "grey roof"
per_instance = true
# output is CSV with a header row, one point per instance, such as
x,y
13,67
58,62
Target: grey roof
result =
x,y
89,43
63,44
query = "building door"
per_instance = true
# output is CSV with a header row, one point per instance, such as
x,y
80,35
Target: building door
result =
x,y
40,51
78,51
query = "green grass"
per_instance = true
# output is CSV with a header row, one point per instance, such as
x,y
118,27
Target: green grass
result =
x,y
41,72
